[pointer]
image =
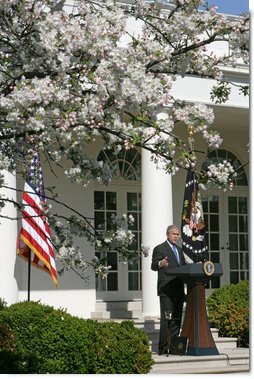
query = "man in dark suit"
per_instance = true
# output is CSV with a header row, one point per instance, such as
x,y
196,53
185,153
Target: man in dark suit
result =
x,y
170,288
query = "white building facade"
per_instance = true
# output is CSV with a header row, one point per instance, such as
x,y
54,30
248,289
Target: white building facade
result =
x,y
155,200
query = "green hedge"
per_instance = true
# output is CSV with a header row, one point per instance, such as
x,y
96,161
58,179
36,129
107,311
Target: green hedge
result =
x,y
3,304
228,311
46,340
121,348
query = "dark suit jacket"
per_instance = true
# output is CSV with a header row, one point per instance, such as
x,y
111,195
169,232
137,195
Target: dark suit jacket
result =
x,y
159,252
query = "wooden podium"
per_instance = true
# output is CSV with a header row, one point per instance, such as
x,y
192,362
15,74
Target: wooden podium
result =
x,y
195,325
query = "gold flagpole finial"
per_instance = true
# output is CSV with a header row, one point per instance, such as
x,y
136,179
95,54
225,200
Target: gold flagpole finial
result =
x,y
191,139
191,131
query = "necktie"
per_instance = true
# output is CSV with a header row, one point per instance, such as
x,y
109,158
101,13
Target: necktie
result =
x,y
176,253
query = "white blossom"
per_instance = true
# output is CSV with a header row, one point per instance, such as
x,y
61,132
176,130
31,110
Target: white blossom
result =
x,y
66,81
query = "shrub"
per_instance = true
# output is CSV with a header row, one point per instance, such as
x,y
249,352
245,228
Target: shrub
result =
x,y
121,348
228,310
6,337
52,341
10,361
3,304
57,341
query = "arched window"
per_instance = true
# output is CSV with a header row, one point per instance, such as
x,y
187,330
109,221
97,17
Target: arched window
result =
x,y
121,197
126,164
220,155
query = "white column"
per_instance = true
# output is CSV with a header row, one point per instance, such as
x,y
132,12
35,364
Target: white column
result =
x,y
8,243
157,214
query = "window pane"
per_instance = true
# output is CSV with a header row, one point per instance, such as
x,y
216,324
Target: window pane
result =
x,y
133,265
99,200
110,217
242,178
233,261
134,244
244,261
112,260
243,224
131,154
232,223
112,281
132,202
111,200
99,220
205,204
232,205
139,201
244,275
214,241
206,221
215,257
243,242
106,155
242,205
134,225
233,242
222,154
121,164
234,278
214,204
133,281
214,223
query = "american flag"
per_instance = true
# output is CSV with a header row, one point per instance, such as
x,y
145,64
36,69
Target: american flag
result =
x,y
35,235
193,225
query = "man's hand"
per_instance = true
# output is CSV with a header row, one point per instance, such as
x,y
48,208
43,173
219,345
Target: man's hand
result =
x,y
164,262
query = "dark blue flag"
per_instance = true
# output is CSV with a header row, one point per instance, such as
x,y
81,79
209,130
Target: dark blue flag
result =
x,y
193,226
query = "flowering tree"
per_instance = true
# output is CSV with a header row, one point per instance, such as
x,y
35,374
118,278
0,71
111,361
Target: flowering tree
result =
x,y
66,80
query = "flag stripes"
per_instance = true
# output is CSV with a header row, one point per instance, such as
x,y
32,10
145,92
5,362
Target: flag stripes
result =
x,y
35,235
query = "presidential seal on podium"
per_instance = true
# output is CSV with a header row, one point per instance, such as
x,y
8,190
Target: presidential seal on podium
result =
x,y
208,268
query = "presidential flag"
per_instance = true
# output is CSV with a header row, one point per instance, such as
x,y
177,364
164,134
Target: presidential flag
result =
x,y
193,226
35,235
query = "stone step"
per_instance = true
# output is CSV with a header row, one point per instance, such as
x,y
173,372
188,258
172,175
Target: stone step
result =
x,y
228,360
225,342
151,327
220,342
117,310
115,314
118,305
206,370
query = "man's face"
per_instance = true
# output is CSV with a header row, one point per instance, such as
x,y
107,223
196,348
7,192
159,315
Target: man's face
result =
x,y
173,235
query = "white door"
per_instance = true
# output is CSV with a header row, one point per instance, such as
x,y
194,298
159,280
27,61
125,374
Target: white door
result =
x,y
226,218
124,279
122,196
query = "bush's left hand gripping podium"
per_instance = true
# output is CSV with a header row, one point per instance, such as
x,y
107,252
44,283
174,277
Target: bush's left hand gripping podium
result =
x,y
195,325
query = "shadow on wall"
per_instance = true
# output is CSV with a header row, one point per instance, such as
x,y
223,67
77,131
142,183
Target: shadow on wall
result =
x,y
42,281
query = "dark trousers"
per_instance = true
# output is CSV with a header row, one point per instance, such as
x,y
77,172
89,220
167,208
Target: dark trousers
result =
x,y
172,302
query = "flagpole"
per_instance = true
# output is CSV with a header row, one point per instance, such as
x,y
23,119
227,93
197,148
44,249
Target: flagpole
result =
x,y
191,145
191,139
193,235
29,275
